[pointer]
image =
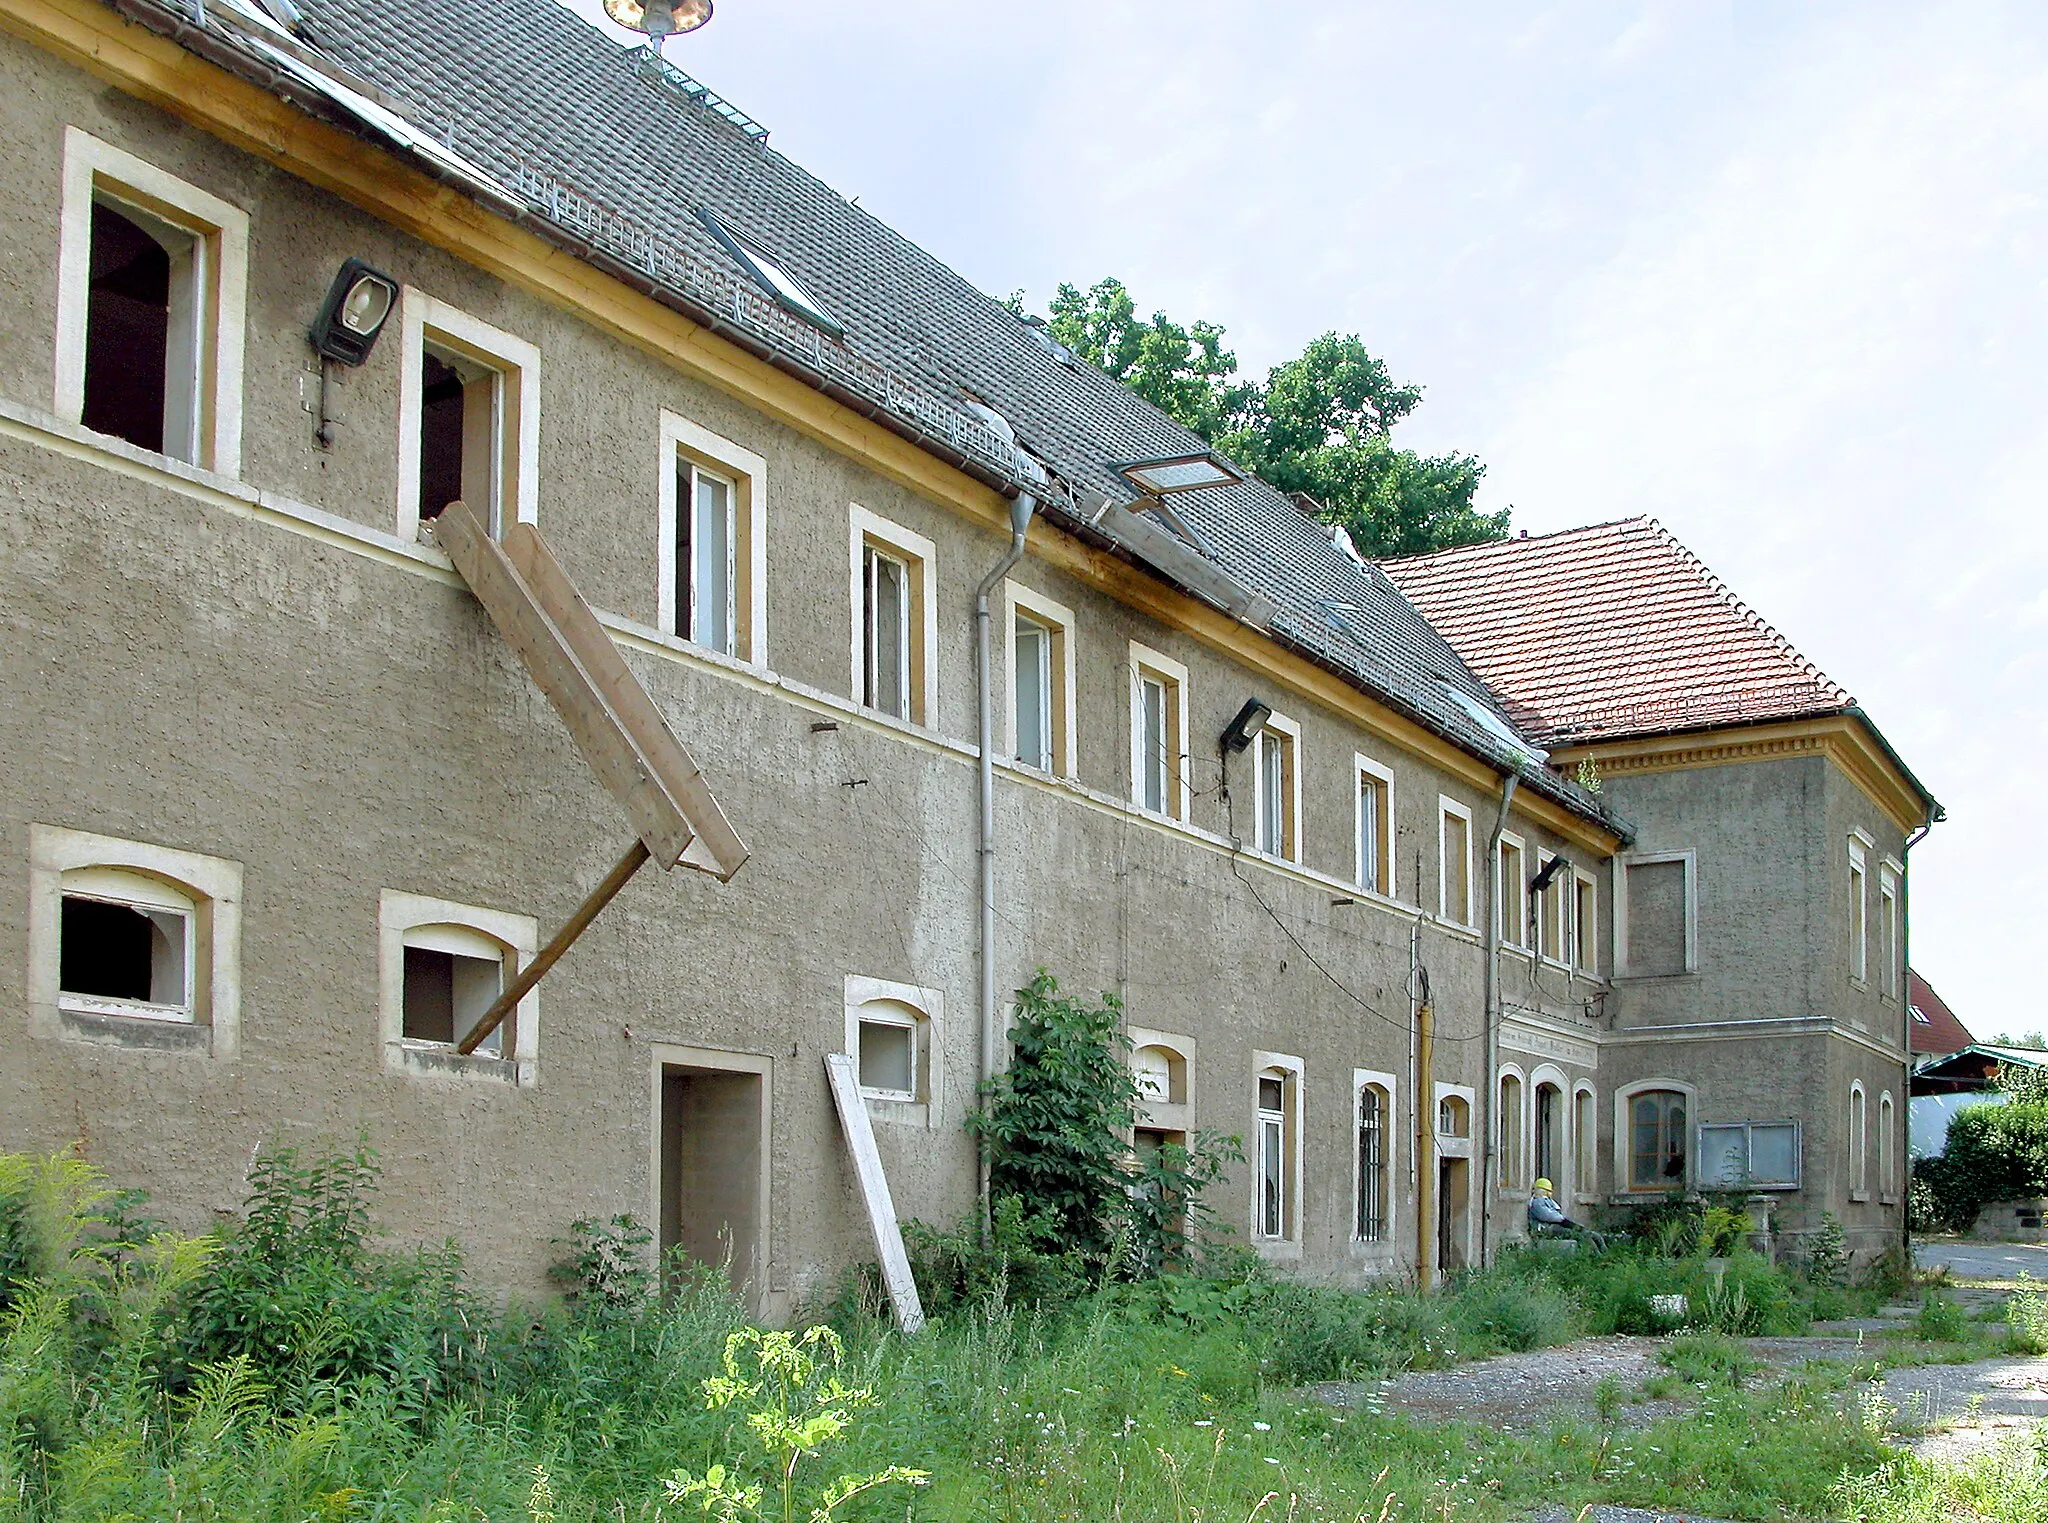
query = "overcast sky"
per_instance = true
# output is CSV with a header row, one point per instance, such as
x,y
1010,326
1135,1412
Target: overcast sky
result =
x,y
1774,273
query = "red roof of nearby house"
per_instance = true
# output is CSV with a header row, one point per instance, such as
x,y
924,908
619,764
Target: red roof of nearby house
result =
x,y
1935,1028
1612,630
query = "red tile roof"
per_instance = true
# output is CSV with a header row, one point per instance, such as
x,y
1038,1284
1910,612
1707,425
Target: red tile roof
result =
x,y
1934,1028
1611,630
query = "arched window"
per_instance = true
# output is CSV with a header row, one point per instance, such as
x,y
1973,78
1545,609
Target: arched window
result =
x,y
1887,1147
127,945
1161,1074
1550,1148
1657,1140
1375,1153
894,1052
1508,1132
1859,1141
1454,1116
1585,1138
453,975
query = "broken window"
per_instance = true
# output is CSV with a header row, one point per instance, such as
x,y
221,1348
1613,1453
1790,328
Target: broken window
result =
x,y
707,554
143,332
1749,1155
461,434
453,974
1375,1105
885,625
1657,1140
890,1059
1271,1162
126,945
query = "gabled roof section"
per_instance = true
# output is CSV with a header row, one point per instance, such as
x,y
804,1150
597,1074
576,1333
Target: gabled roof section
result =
x,y
1935,1028
1613,630
609,155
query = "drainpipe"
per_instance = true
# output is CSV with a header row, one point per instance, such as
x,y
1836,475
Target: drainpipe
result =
x,y
1021,509
1489,1162
1903,1142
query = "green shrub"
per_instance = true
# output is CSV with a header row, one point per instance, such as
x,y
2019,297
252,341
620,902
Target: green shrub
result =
x,y
1011,1262
1993,1152
1708,1359
2026,1317
1940,1318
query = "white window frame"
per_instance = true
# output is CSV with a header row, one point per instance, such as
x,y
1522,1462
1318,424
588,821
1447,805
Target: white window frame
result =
x,y
1464,914
1291,1070
1363,1079
1512,901
926,1107
425,320
1622,864
1859,908
1552,942
1365,770
1890,871
1585,930
1145,662
1511,1133
1887,1149
1624,1136
399,913
1284,734
683,442
1058,620
1166,1115
1747,1128
1585,1141
213,958
916,552
1859,1141
222,283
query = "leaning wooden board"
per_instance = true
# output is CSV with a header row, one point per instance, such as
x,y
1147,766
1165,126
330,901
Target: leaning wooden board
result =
x,y
874,1189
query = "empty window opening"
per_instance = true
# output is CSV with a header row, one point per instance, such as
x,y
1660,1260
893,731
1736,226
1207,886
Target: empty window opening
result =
x,y
452,976
1275,832
885,626
1272,1156
1161,1074
707,538
1550,1156
460,433
142,330
891,1058
1552,915
1032,650
1453,1212
1887,1147
1374,1107
1657,1140
127,949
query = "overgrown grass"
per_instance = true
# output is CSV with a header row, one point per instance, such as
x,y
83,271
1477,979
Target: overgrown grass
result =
x,y
289,1372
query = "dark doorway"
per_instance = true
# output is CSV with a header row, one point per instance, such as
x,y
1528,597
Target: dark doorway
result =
x,y
711,1155
1452,1204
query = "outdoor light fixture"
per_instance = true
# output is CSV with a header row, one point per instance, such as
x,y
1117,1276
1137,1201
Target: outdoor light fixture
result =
x,y
354,313
659,19
1179,473
1250,720
1551,869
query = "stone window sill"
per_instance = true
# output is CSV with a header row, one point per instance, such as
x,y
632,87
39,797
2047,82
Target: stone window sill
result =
x,y
136,1033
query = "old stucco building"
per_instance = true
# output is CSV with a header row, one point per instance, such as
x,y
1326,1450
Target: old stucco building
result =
x,y
284,809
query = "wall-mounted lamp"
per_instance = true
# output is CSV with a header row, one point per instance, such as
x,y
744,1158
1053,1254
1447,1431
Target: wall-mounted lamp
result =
x,y
357,306
1551,869
1249,721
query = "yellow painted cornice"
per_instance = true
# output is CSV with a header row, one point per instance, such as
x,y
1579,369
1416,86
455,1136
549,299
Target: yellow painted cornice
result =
x,y
1844,739
156,69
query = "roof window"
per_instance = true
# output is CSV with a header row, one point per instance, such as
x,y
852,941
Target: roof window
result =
x,y
1492,723
771,277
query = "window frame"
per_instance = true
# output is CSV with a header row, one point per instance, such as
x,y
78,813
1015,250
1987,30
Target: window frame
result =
x,y
1859,848
1585,1141
93,167
925,1107
426,321
1511,903
1890,873
870,530
1283,735
684,442
213,959
1389,1089
1585,929
1552,911
1166,1115
1748,1130
1058,621
1859,1141
1624,1136
400,913
1364,771
1145,663
139,892
1290,1070
1447,809
1511,1128
1549,1076
1887,1148
1622,864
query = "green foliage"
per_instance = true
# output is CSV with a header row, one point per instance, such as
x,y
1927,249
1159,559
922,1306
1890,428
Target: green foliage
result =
x,y
1827,1252
1166,1213
1017,1259
1940,1318
2025,1084
607,1268
1708,1359
1993,1153
2026,1317
1321,423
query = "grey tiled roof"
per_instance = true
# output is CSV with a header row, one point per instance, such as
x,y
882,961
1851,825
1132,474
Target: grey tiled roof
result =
x,y
544,103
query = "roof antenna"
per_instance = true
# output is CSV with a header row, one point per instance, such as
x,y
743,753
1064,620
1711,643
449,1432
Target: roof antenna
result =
x,y
658,20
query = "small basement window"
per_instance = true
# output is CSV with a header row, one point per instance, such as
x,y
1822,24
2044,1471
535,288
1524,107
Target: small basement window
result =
x,y
890,1051
453,973
126,946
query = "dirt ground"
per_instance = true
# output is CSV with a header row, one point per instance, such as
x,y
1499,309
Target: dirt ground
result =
x,y
1525,1392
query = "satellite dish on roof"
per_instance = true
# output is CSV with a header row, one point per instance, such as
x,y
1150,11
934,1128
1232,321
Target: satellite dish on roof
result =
x,y
659,19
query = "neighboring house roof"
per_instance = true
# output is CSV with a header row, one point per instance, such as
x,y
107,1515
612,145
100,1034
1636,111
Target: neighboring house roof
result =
x,y
1934,1029
1970,1068
1612,630
605,153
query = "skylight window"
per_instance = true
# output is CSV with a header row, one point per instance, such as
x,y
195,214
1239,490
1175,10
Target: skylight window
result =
x,y
771,277
1179,473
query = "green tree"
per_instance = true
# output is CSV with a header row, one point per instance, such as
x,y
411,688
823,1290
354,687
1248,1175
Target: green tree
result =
x,y
1321,423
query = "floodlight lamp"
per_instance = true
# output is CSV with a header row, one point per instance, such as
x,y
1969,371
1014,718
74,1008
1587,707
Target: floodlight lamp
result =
x,y
358,305
1550,870
1249,721
659,19
1179,473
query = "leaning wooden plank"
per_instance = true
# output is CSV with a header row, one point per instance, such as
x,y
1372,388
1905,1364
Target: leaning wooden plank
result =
x,y
578,695
716,847
874,1189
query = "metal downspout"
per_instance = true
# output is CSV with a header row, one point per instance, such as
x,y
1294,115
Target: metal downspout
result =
x,y
1021,509
1902,1139
1490,1084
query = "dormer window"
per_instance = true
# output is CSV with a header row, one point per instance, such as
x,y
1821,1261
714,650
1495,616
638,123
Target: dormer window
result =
x,y
771,277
